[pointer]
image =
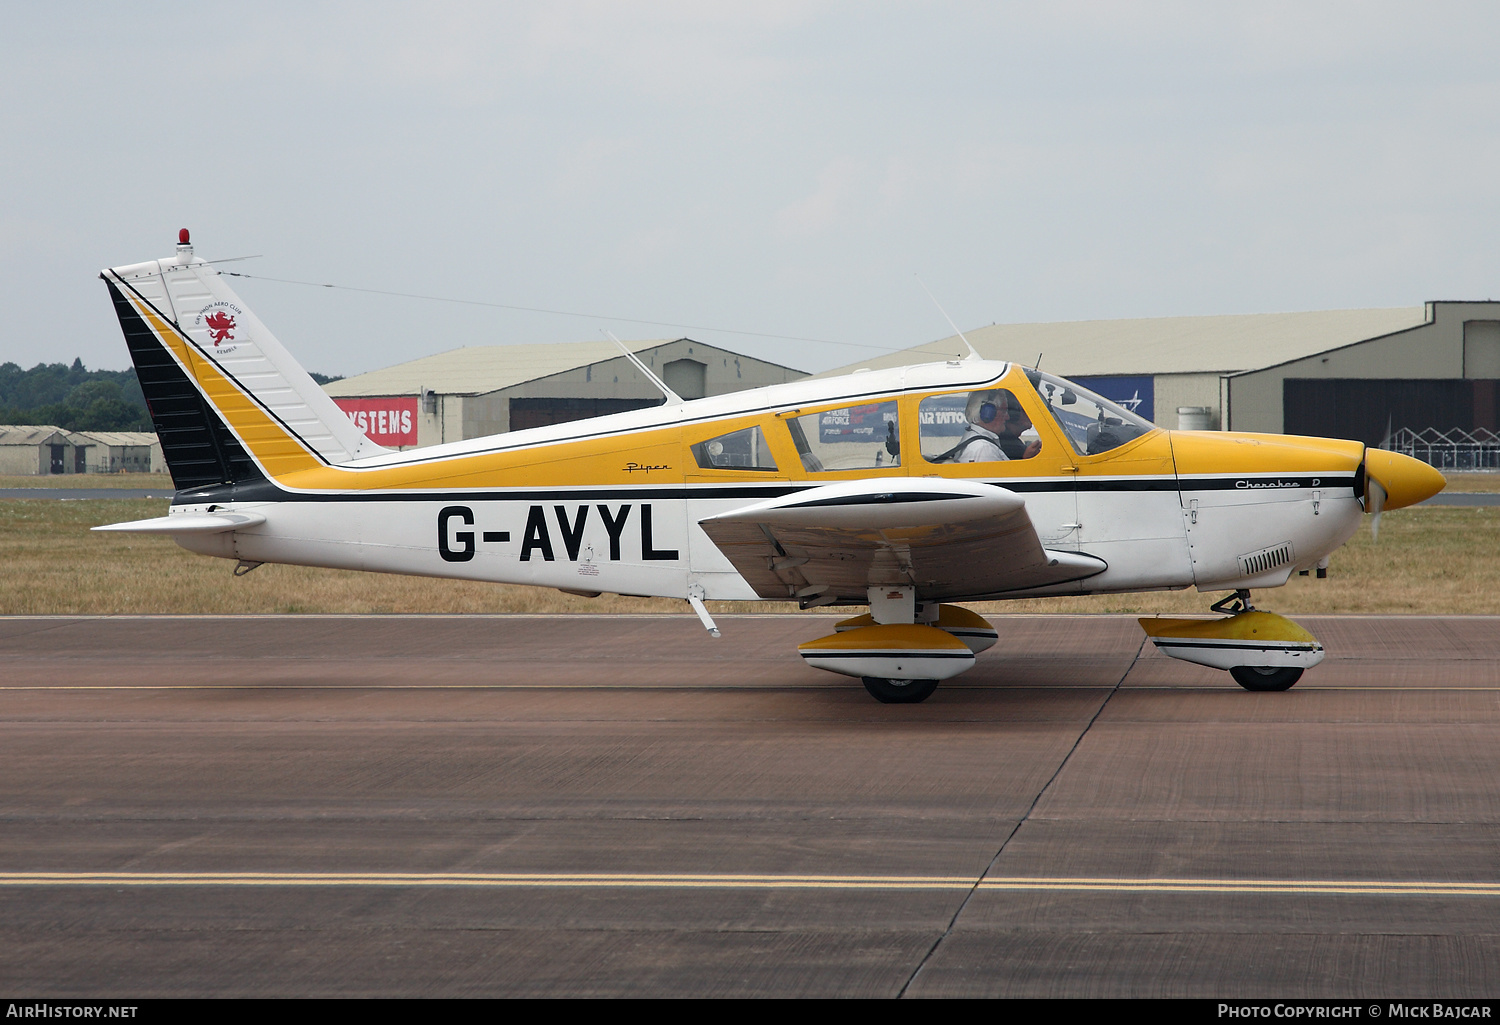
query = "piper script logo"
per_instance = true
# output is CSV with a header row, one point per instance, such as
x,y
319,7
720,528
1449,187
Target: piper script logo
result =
x,y
221,319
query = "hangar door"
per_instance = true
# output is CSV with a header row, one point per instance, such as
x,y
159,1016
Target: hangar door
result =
x,y
1361,409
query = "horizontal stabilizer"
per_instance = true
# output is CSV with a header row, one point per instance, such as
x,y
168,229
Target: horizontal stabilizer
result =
x,y
189,523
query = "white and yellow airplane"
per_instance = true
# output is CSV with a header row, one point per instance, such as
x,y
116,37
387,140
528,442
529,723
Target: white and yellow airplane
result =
x,y
902,490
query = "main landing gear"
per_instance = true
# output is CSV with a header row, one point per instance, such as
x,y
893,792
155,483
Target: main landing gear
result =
x,y
1266,677
901,649
1261,650
898,692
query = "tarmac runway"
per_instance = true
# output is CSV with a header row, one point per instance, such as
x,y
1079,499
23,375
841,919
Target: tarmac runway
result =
x,y
498,806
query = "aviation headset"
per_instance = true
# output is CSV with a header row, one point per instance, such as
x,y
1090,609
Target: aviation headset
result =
x,y
989,409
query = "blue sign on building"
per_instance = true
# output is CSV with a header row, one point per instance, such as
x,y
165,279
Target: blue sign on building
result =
x,y
1137,394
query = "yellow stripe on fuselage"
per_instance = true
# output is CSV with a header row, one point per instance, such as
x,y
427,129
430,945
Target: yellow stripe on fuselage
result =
x,y
277,451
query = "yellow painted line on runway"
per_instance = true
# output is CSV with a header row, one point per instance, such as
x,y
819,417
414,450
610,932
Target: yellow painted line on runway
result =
x,y
725,881
1278,886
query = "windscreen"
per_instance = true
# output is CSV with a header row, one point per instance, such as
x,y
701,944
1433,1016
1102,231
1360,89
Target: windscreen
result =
x,y
1092,423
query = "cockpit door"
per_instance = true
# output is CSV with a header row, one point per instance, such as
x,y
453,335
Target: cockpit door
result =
x,y
1127,499
999,435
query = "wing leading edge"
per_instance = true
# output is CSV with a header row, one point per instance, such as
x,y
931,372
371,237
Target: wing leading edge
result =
x,y
946,538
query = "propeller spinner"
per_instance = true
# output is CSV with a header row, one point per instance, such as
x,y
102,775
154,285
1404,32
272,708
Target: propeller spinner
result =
x,y
1395,481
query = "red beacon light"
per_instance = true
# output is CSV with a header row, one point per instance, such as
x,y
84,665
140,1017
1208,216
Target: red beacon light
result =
x,y
182,236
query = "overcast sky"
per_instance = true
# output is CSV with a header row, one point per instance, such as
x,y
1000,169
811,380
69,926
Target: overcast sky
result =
x,y
787,169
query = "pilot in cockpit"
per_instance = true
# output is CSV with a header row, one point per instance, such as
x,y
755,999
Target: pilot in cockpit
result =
x,y
993,433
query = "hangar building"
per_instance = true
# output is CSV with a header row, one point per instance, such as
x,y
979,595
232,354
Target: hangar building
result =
x,y
489,389
31,449
1335,373
120,451
42,450
45,450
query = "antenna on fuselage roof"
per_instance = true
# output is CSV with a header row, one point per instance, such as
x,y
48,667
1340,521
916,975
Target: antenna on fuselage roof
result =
x,y
973,353
1038,364
673,398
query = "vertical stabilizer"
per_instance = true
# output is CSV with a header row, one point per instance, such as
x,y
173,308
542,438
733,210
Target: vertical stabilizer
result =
x,y
220,346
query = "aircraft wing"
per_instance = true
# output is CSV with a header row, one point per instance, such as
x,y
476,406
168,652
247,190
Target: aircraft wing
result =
x,y
948,538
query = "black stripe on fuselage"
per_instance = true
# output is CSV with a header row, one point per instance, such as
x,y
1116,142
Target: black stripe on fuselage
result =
x,y
1268,482
269,491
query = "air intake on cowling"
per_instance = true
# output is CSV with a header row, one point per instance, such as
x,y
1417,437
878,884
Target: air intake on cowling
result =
x,y
1256,563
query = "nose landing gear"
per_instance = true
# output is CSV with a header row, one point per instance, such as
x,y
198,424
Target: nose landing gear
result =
x,y
1261,650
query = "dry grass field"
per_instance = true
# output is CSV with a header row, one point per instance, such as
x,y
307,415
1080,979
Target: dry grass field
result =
x,y
1434,560
1471,482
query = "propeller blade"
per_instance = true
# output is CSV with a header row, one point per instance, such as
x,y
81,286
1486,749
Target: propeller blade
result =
x,y
1375,495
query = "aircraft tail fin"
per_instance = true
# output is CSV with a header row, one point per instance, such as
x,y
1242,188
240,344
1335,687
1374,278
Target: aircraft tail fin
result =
x,y
229,403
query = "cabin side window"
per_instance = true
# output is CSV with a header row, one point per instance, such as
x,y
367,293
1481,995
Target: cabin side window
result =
x,y
989,426
738,450
864,437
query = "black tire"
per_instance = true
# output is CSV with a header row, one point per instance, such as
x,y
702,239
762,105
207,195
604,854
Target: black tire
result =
x,y
1266,677
899,692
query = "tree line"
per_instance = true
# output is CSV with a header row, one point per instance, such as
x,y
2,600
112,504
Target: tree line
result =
x,y
77,399
72,397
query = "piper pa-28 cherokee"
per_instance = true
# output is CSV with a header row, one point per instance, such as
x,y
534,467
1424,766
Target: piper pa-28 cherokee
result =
x,y
902,490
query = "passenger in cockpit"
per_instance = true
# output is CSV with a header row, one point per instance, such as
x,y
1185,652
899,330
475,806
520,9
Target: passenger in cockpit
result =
x,y
1016,424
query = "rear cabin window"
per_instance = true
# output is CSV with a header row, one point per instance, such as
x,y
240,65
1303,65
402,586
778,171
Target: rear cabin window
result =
x,y
740,450
864,437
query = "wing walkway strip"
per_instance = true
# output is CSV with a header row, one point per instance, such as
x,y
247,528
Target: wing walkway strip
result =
x,y
616,880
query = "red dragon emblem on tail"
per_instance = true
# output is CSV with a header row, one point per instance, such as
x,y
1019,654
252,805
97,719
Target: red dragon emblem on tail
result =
x,y
220,326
